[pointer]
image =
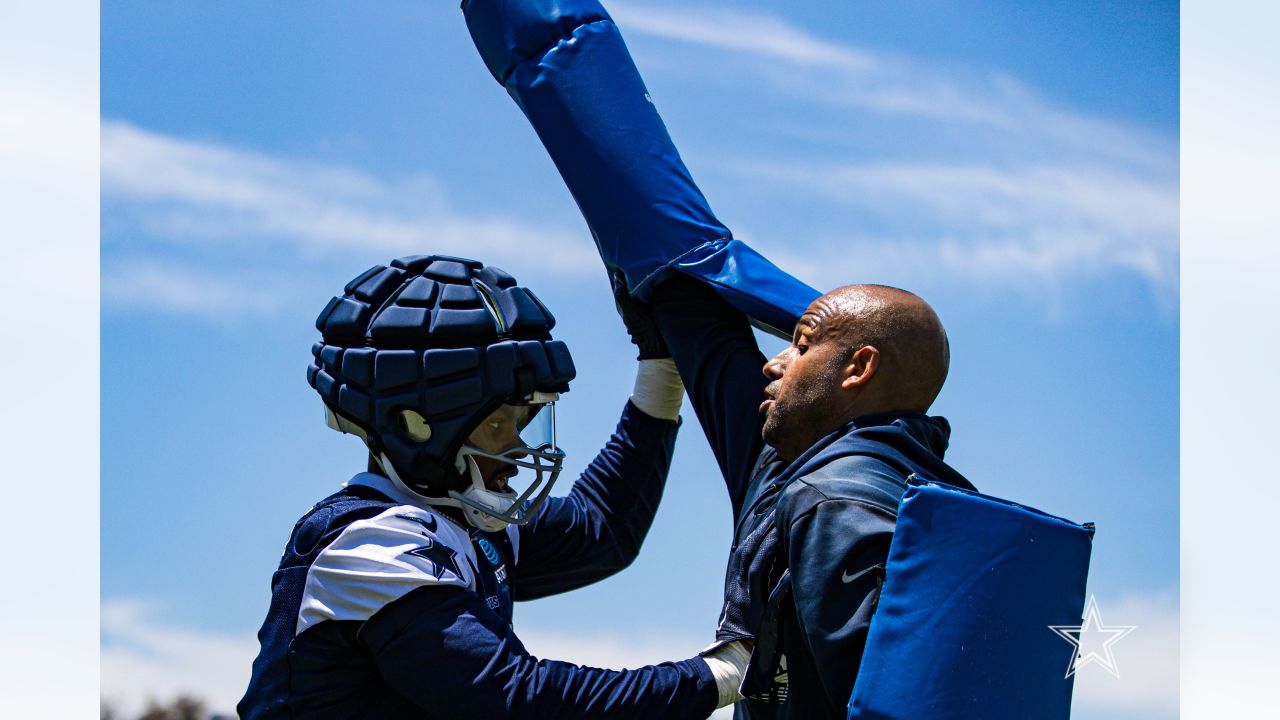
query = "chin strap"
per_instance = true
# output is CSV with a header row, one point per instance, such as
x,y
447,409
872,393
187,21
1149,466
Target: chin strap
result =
x,y
476,492
475,518
389,470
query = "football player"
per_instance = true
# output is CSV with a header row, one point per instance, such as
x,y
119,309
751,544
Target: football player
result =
x,y
394,595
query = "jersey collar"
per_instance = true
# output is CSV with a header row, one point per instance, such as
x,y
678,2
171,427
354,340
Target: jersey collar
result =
x,y
386,487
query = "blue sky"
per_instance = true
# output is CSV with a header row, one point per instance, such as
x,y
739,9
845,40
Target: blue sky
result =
x,y
1015,165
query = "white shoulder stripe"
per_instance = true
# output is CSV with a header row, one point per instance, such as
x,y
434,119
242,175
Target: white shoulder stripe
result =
x,y
374,562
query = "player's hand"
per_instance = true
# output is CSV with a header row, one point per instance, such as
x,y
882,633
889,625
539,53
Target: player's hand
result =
x,y
638,318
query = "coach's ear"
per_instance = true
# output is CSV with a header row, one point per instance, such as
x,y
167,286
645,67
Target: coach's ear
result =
x,y
861,368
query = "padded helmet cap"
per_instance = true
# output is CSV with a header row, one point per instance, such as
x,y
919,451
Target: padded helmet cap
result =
x,y
445,338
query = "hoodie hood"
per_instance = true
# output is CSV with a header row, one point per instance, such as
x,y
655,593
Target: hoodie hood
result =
x,y
909,442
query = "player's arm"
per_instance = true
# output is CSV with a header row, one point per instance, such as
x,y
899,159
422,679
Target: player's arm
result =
x,y
402,585
447,652
716,358
598,528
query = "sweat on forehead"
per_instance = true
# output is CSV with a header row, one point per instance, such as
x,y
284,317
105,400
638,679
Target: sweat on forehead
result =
x,y
839,308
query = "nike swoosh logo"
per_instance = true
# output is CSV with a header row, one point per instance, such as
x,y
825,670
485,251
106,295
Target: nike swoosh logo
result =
x,y
846,577
429,523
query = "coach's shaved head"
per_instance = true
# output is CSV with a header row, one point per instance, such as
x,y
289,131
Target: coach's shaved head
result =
x,y
914,354
858,350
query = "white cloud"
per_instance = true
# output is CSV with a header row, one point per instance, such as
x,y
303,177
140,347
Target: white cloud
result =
x,y
1147,660
792,62
158,285
143,659
981,222
250,212
743,32
869,79
1053,195
215,198
989,196
962,223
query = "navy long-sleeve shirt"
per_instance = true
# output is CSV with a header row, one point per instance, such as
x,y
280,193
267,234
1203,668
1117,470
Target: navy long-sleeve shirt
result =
x,y
385,608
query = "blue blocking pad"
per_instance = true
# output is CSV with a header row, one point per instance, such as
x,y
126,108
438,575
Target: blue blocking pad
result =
x,y
770,298
566,66
961,631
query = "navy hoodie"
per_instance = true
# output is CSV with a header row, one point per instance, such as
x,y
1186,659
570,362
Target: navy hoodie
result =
x,y
808,558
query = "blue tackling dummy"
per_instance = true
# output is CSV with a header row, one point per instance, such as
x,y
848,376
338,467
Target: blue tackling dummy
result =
x,y
565,65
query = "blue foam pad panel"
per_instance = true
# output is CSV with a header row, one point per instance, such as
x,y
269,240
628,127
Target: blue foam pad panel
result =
x,y
961,631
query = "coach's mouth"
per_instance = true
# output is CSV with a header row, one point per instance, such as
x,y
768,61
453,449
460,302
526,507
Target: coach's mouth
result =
x,y
768,401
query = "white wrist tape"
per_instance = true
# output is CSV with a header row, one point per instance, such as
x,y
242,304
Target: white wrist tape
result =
x,y
728,663
658,390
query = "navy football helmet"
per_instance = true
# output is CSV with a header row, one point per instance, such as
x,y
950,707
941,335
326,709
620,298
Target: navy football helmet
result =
x,y
416,356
